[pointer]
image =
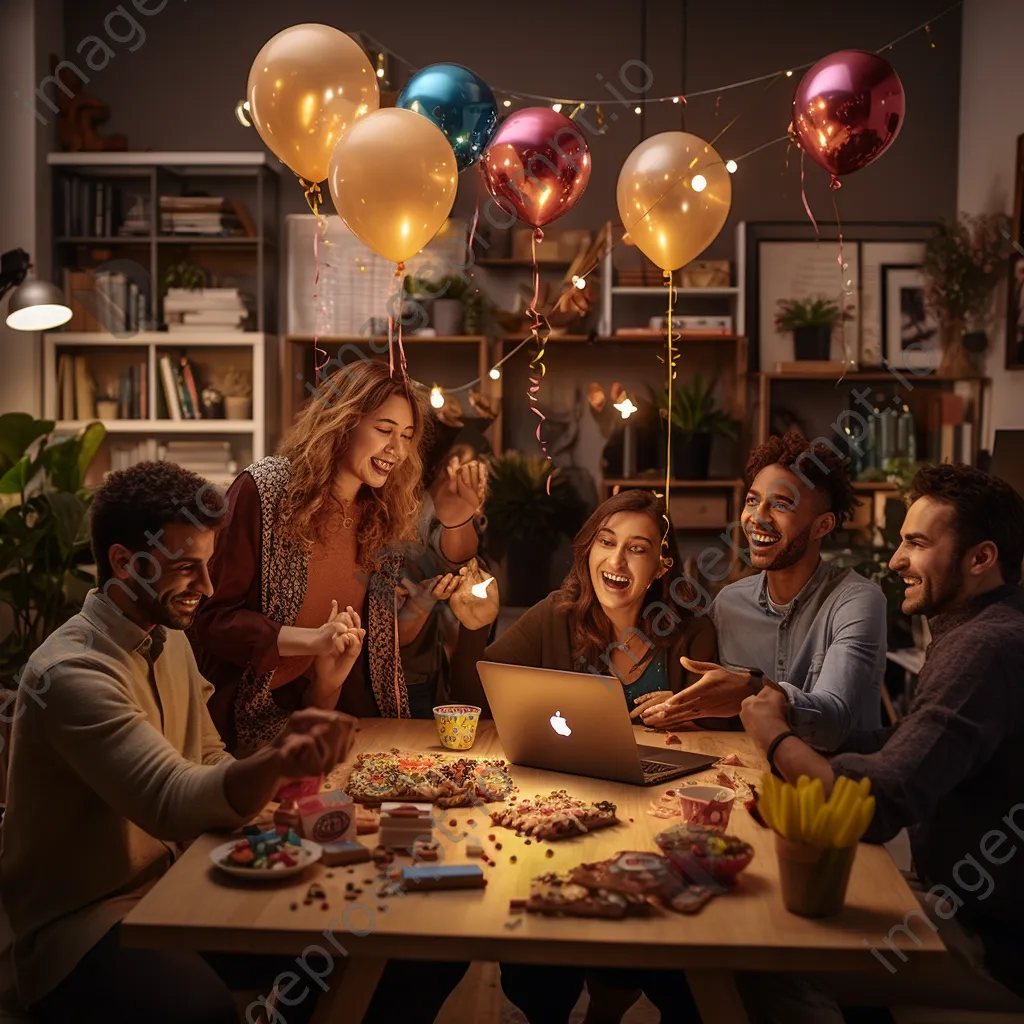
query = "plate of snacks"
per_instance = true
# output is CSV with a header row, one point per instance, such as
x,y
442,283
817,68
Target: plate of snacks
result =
x,y
266,856
694,849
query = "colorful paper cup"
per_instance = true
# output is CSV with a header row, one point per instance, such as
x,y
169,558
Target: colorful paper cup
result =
x,y
456,725
707,805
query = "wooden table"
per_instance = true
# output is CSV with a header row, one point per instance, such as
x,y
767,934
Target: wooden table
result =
x,y
195,907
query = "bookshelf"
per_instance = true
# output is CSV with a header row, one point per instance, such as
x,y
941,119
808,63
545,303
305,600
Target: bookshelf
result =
x,y
170,264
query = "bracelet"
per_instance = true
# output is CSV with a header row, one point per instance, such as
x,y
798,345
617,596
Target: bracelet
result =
x,y
458,526
773,747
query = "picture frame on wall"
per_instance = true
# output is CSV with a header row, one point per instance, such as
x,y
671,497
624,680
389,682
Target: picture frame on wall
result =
x,y
1015,297
911,332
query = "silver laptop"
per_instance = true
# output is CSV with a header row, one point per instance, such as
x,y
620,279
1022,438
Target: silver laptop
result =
x,y
577,723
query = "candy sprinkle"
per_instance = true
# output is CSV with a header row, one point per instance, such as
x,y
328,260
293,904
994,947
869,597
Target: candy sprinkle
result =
x,y
549,853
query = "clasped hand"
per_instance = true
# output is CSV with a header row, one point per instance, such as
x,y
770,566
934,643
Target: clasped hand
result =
x,y
717,694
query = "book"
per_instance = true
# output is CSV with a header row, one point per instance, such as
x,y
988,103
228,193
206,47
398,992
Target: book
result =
x,y
190,388
66,387
214,317
184,399
170,386
812,366
85,389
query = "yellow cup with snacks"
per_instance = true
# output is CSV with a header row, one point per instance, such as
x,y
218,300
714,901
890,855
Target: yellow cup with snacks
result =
x,y
456,725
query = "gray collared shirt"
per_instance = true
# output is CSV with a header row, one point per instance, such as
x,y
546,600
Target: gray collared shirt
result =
x,y
827,651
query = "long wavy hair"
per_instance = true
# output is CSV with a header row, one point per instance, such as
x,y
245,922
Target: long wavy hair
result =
x,y
590,628
389,514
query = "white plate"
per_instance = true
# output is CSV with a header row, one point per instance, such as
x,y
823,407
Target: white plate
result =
x,y
309,854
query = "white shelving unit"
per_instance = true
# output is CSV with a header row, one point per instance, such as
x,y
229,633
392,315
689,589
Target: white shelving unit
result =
x,y
153,343
734,295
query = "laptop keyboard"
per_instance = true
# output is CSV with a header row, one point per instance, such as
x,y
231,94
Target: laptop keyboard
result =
x,y
652,769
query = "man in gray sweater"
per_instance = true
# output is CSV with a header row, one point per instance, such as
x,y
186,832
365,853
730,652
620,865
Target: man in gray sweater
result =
x,y
951,772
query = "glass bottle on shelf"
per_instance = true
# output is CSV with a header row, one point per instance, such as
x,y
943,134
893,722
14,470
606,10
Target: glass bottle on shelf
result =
x,y
906,434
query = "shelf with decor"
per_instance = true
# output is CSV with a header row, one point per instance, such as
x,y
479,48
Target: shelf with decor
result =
x,y
154,386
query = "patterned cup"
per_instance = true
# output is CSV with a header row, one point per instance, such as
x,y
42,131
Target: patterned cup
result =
x,y
456,725
706,805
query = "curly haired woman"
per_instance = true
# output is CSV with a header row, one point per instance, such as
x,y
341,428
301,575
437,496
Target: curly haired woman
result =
x,y
311,559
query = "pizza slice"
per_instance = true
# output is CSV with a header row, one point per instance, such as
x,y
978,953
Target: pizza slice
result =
x,y
555,816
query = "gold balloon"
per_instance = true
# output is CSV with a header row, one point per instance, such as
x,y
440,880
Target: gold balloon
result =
x,y
307,87
393,179
674,195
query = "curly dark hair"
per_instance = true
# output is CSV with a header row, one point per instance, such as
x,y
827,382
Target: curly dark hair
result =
x,y
144,499
984,508
820,465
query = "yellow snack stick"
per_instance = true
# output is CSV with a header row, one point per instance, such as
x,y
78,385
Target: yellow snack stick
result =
x,y
839,787
806,811
803,782
817,796
764,805
818,826
866,813
843,798
864,787
850,831
792,814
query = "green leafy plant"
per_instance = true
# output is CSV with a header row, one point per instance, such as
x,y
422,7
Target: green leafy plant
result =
x,y
963,262
811,312
185,275
43,530
449,286
694,410
519,507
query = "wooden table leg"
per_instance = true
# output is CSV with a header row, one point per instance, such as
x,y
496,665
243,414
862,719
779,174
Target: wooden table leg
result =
x,y
347,1000
717,997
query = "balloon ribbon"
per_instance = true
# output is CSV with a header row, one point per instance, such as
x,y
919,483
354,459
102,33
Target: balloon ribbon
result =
x,y
847,361
803,196
395,297
314,199
541,331
671,361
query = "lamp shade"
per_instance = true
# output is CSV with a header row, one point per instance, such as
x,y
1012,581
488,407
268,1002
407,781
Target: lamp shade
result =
x,y
37,306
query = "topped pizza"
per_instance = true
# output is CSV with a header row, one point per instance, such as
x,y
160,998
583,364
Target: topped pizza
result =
x,y
555,816
436,778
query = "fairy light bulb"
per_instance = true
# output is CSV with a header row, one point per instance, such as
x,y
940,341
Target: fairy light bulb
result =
x,y
380,72
698,183
556,107
580,282
626,407
508,103
675,99
436,397
494,373
789,74
731,166
636,110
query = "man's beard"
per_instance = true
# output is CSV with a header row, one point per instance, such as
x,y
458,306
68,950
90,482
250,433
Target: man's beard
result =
x,y
161,612
792,552
934,601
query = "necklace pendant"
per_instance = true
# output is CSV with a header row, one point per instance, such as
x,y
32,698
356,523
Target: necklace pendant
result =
x,y
348,522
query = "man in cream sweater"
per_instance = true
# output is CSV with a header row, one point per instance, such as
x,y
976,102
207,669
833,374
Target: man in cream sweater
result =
x,y
114,761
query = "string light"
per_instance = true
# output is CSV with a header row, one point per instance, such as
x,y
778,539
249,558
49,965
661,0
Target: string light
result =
x,y
731,166
436,397
494,373
637,110
675,99
626,407
556,107
508,103
380,72
580,282
698,183
789,74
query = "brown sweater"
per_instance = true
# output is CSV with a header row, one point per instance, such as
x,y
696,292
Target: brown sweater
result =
x,y
541,638
952,771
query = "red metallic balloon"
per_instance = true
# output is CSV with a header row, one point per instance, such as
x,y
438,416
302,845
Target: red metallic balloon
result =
x,y
848,110
537,165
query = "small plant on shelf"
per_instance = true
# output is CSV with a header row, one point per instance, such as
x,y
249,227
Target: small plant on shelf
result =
x,y
185,275
811,322
236,388
696,421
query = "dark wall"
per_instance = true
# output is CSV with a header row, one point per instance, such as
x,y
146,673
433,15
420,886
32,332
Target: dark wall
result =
x,y
178,90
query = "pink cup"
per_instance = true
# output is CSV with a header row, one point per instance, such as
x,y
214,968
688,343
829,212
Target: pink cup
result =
x,y
707,805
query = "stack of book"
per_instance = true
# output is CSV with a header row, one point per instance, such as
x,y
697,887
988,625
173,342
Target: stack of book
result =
x,y
76,390
133,393
950,436
124,455
90,208
211,216
180,387
204,310
212,460
105,301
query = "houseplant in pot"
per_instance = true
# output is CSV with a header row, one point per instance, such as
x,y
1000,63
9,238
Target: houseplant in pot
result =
x,y
525,521
44,536
696,421
963,262
236,388
811,322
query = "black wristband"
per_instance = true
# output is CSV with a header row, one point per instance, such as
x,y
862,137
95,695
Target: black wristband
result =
x,y
774,746
458,525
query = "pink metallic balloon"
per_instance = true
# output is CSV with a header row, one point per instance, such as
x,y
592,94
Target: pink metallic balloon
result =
x,y
848,110
537,165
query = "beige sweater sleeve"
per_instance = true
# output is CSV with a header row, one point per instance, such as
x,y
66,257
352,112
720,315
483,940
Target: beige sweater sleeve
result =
x,y
104,738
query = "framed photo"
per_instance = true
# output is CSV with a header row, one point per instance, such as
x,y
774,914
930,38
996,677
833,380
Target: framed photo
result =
x,y
1015,302
911,335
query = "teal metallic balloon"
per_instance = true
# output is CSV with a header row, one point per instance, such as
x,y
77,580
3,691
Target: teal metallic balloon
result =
x,y
459,102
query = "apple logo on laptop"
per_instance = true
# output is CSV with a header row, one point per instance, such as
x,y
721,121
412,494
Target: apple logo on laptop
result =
x,y
559,724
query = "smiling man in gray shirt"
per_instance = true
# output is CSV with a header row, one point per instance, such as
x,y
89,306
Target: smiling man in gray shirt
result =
x,y
801,624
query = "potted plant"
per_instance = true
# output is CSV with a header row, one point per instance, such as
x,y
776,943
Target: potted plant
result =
x,y
525,520
236,388
107,405
811,322
185,275
448,297
963,262
44,537
696,421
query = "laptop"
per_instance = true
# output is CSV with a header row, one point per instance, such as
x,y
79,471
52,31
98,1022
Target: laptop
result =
x,y
576,723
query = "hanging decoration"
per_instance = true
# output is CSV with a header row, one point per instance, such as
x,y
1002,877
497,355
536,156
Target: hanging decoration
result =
x,y
307,87
674,193
848,110
393,179
536,167
459,102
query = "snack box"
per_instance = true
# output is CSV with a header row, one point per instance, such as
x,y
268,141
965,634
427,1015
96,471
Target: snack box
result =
x,y
443,876
328,817
348,852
